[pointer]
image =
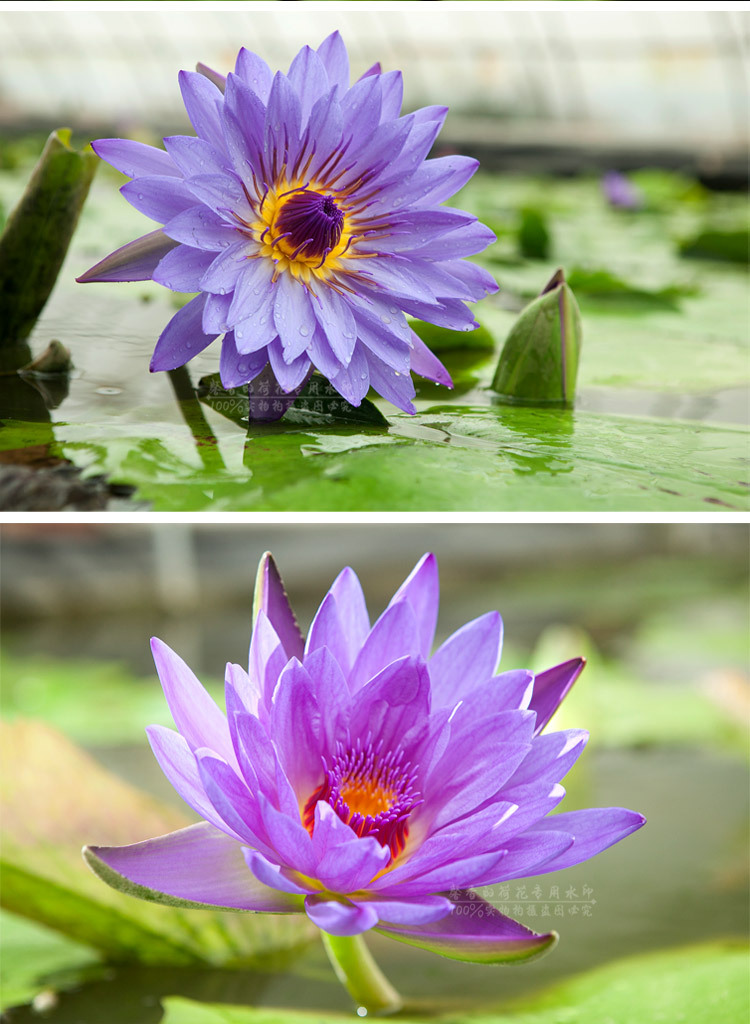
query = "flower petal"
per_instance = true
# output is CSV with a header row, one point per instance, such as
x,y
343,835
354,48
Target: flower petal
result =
x,y
135,158
421,589
238,368
182,338
349,862
332,53
201,228
135,261
255,73
182,268
415,911
178,763
397,387
593,830
467,658
195,713
197,866
426,363
340,918
159,197
271,598
271,875
551,687
393,636
475,932
203,103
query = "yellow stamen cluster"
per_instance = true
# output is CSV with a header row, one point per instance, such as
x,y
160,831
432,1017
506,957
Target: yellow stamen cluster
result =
x,y
307,269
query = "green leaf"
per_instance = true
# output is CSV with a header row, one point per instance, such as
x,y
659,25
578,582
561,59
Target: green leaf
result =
x,y
54,799
732,245
700,984
608,287
36,958
440,339
533,234
38,232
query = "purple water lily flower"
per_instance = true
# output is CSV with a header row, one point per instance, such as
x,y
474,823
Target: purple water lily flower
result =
x,y
305,214
620,191
362,780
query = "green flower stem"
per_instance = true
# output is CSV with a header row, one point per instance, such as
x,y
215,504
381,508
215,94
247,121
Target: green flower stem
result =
x,y
361,976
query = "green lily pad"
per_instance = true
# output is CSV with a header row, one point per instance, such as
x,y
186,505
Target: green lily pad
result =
x,y
533,234
717,244
608,287
36,959
55,798
701,984
440,339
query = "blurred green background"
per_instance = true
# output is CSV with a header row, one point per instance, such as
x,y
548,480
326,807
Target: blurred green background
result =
x,y
659,610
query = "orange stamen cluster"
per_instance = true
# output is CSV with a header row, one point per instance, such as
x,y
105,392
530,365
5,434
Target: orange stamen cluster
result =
x,y
371,791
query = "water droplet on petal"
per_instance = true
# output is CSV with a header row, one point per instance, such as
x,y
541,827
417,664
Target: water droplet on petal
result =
x,y
242,366
303,331
239,334
140,195
386,319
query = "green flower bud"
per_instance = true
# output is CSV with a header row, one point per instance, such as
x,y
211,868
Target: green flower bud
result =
x,y
539,361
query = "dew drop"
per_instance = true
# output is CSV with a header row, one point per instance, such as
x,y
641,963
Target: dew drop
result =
x,y
396,373
363,376
393,310
140,195
240,334
303,331
242,366
386,319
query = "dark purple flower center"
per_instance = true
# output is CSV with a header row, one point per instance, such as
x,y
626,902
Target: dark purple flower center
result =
x,y
372,792
311,222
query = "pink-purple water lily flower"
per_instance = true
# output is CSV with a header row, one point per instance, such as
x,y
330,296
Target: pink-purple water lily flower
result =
x,y
307,217
365,781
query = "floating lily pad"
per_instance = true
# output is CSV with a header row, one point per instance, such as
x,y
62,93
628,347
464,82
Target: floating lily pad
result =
x,y
608,287
716,244
36,958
